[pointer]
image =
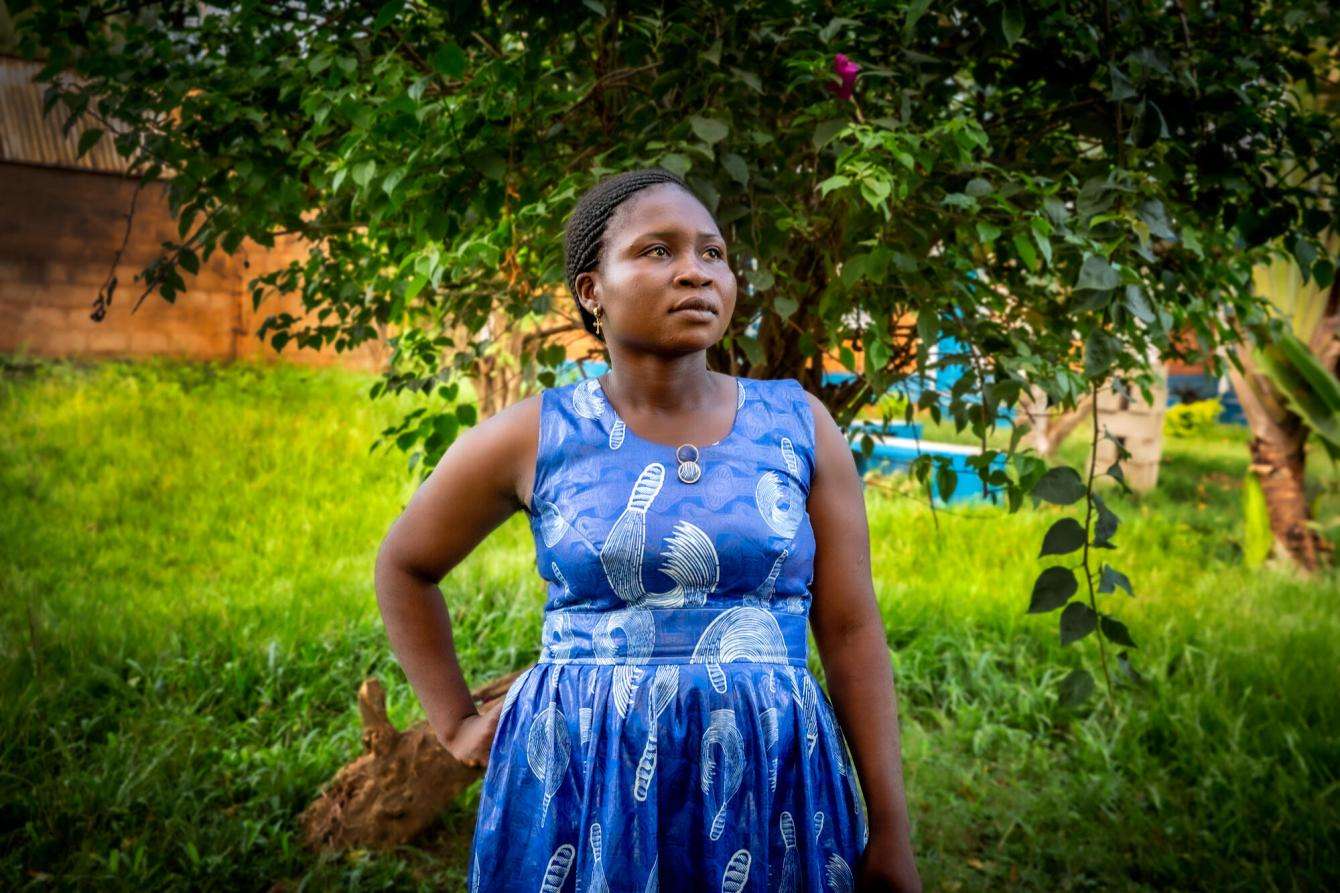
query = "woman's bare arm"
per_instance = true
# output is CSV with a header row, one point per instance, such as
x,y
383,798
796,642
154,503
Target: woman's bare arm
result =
x,y
475,487
852,645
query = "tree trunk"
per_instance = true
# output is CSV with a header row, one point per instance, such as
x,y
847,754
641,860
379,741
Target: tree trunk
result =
x,y
399,785
1048,427
1279,454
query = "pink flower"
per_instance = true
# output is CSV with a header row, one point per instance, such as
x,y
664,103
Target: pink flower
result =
x,y
845,69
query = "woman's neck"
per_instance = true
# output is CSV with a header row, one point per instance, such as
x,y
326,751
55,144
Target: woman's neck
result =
x,y
652,384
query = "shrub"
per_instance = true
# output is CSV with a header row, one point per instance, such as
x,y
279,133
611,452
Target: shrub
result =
x,y
1192,419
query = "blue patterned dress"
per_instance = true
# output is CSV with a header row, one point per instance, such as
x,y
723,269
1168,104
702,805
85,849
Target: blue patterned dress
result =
x,y
671,735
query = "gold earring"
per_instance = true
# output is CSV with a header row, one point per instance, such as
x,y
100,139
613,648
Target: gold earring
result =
x,y
599,310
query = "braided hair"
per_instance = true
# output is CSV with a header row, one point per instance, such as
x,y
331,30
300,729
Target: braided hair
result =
x,y
583,237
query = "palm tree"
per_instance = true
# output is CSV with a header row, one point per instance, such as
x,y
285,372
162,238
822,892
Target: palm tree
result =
x,y
1289,391
1289,388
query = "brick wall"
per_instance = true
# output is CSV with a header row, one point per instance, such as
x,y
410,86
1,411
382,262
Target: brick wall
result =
x,y
61,230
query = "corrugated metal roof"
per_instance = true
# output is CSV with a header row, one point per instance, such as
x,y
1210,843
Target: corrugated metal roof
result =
x,y
28,136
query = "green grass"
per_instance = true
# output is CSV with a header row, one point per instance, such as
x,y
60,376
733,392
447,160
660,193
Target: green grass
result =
x,y
186,611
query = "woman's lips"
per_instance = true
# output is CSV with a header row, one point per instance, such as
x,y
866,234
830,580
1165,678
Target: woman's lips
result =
x,y
696,312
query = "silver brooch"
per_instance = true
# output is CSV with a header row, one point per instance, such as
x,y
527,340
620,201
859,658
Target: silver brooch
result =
x,y
689,469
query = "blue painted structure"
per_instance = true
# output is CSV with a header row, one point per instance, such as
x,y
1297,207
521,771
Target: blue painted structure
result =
x,y
1200,386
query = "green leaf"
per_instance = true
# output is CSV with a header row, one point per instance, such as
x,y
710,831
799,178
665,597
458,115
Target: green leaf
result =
x,y
987,232
1109,578
824,131
1257,537
877,353
675,163
1115,631
1121,85
1100,351
1012,24
1060,486
837,181
1051,589
414,286
1154,216
1055,210
915,10
363,171
709,130
1124,664
1063,537
393,180
946,480
449,60
875,190
1096,273
752,349
1106,525
87,140
750,79
1077,621
1024,248
386,15
1308,387
1044,245
736,167
1138,304
978,187
1075,688
785,306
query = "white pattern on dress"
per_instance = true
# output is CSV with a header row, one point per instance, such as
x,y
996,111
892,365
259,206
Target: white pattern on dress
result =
x,y
840,877
689,558
790,868
587,399
552,523
548,750
767,719
779,503
664,687
560,863
722,733
739,633
737,872
639,640
598,883
827,722
653,881
789,457
616,434
762,596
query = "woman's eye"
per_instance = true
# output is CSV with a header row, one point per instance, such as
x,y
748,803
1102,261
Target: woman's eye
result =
x,y
720,254
657,248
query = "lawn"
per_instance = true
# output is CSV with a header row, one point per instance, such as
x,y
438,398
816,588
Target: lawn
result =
x,y
186,611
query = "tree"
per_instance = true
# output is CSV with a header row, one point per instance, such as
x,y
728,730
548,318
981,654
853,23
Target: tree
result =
x,y
1289,388
1057,186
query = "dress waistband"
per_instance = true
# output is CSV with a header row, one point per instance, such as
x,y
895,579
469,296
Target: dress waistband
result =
x,y
705,635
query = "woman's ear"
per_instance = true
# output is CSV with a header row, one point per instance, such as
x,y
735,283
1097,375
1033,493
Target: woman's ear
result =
x,y
588,292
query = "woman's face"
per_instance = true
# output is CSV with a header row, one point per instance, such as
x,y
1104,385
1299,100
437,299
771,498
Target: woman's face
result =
x,y
661,249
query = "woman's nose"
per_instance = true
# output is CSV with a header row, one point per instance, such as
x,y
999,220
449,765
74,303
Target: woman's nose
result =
x,y
695,274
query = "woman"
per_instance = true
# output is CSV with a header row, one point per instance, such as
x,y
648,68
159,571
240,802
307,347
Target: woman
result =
x,y
688,523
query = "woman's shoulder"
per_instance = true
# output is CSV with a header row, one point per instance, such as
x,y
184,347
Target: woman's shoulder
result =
x,y
787,392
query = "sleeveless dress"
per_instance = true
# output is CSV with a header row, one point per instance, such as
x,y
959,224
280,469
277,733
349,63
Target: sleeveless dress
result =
x,y
671,735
